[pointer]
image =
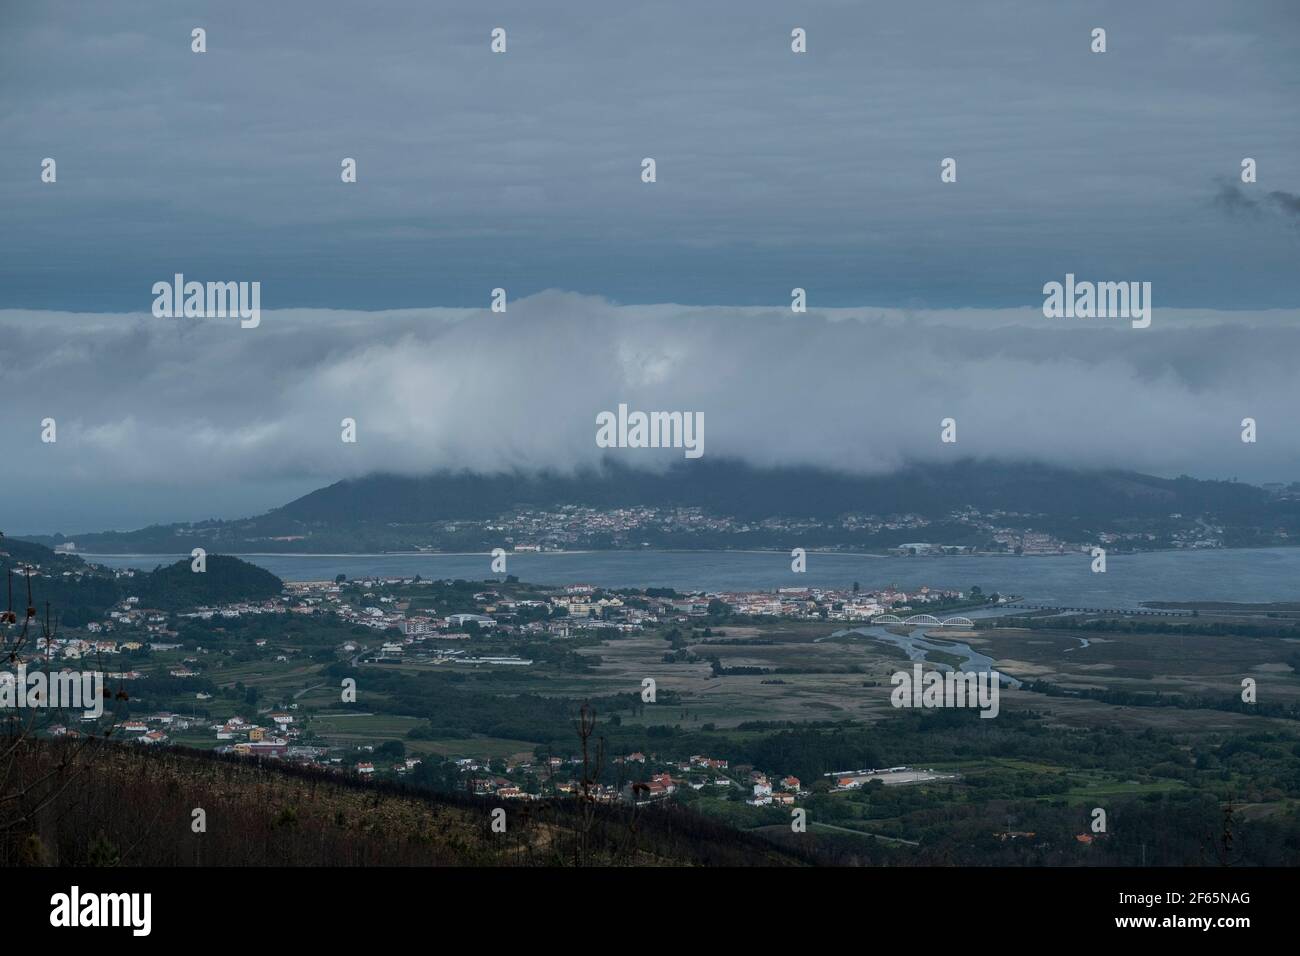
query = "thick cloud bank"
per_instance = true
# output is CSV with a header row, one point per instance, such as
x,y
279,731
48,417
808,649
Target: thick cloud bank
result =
x,y
230,419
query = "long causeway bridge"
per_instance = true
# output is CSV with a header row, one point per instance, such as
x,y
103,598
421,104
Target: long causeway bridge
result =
x,y
1135,612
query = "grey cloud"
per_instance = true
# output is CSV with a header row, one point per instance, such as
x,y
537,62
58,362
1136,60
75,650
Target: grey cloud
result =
x,y
1234,200
200,405
1287,203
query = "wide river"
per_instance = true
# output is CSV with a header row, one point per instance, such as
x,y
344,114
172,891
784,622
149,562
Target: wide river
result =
x,y
1247,575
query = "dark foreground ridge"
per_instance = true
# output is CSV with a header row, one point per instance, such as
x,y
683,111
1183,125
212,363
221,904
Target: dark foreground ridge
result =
x,y
121,805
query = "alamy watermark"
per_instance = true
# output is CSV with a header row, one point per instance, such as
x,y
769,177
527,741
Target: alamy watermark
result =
x,y
922,688
75,908
651,430
212,300
60,690
1098,300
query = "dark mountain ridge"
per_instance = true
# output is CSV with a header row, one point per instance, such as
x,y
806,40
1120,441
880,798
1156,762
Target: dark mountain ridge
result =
x,y
728,487
384,511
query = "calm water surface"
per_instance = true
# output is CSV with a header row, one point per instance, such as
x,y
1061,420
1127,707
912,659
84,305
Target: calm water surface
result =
x,y
1249,575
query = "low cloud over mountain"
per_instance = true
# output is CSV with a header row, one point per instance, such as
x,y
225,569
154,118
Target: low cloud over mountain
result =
x,y
162,419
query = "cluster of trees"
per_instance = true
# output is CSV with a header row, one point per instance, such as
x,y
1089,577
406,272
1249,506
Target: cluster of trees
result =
x,y
1284,629
1134,698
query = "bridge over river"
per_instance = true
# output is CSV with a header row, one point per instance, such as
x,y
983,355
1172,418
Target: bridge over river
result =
x,y
923,620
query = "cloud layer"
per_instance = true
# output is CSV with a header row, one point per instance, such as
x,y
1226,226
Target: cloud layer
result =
x,y
198,417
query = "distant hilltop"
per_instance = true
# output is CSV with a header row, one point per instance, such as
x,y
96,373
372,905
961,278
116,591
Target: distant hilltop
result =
x,y
79,592
720,504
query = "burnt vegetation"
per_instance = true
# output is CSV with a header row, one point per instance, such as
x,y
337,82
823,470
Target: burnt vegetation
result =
x,y
135,807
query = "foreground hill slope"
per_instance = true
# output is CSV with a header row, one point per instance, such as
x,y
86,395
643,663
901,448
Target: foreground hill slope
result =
x,y
125,805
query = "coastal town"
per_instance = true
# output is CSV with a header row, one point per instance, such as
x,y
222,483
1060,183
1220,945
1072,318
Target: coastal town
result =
x,y
389,623
565,611
966,530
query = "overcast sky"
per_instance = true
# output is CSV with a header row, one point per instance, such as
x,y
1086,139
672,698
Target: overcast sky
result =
x,y
522,170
